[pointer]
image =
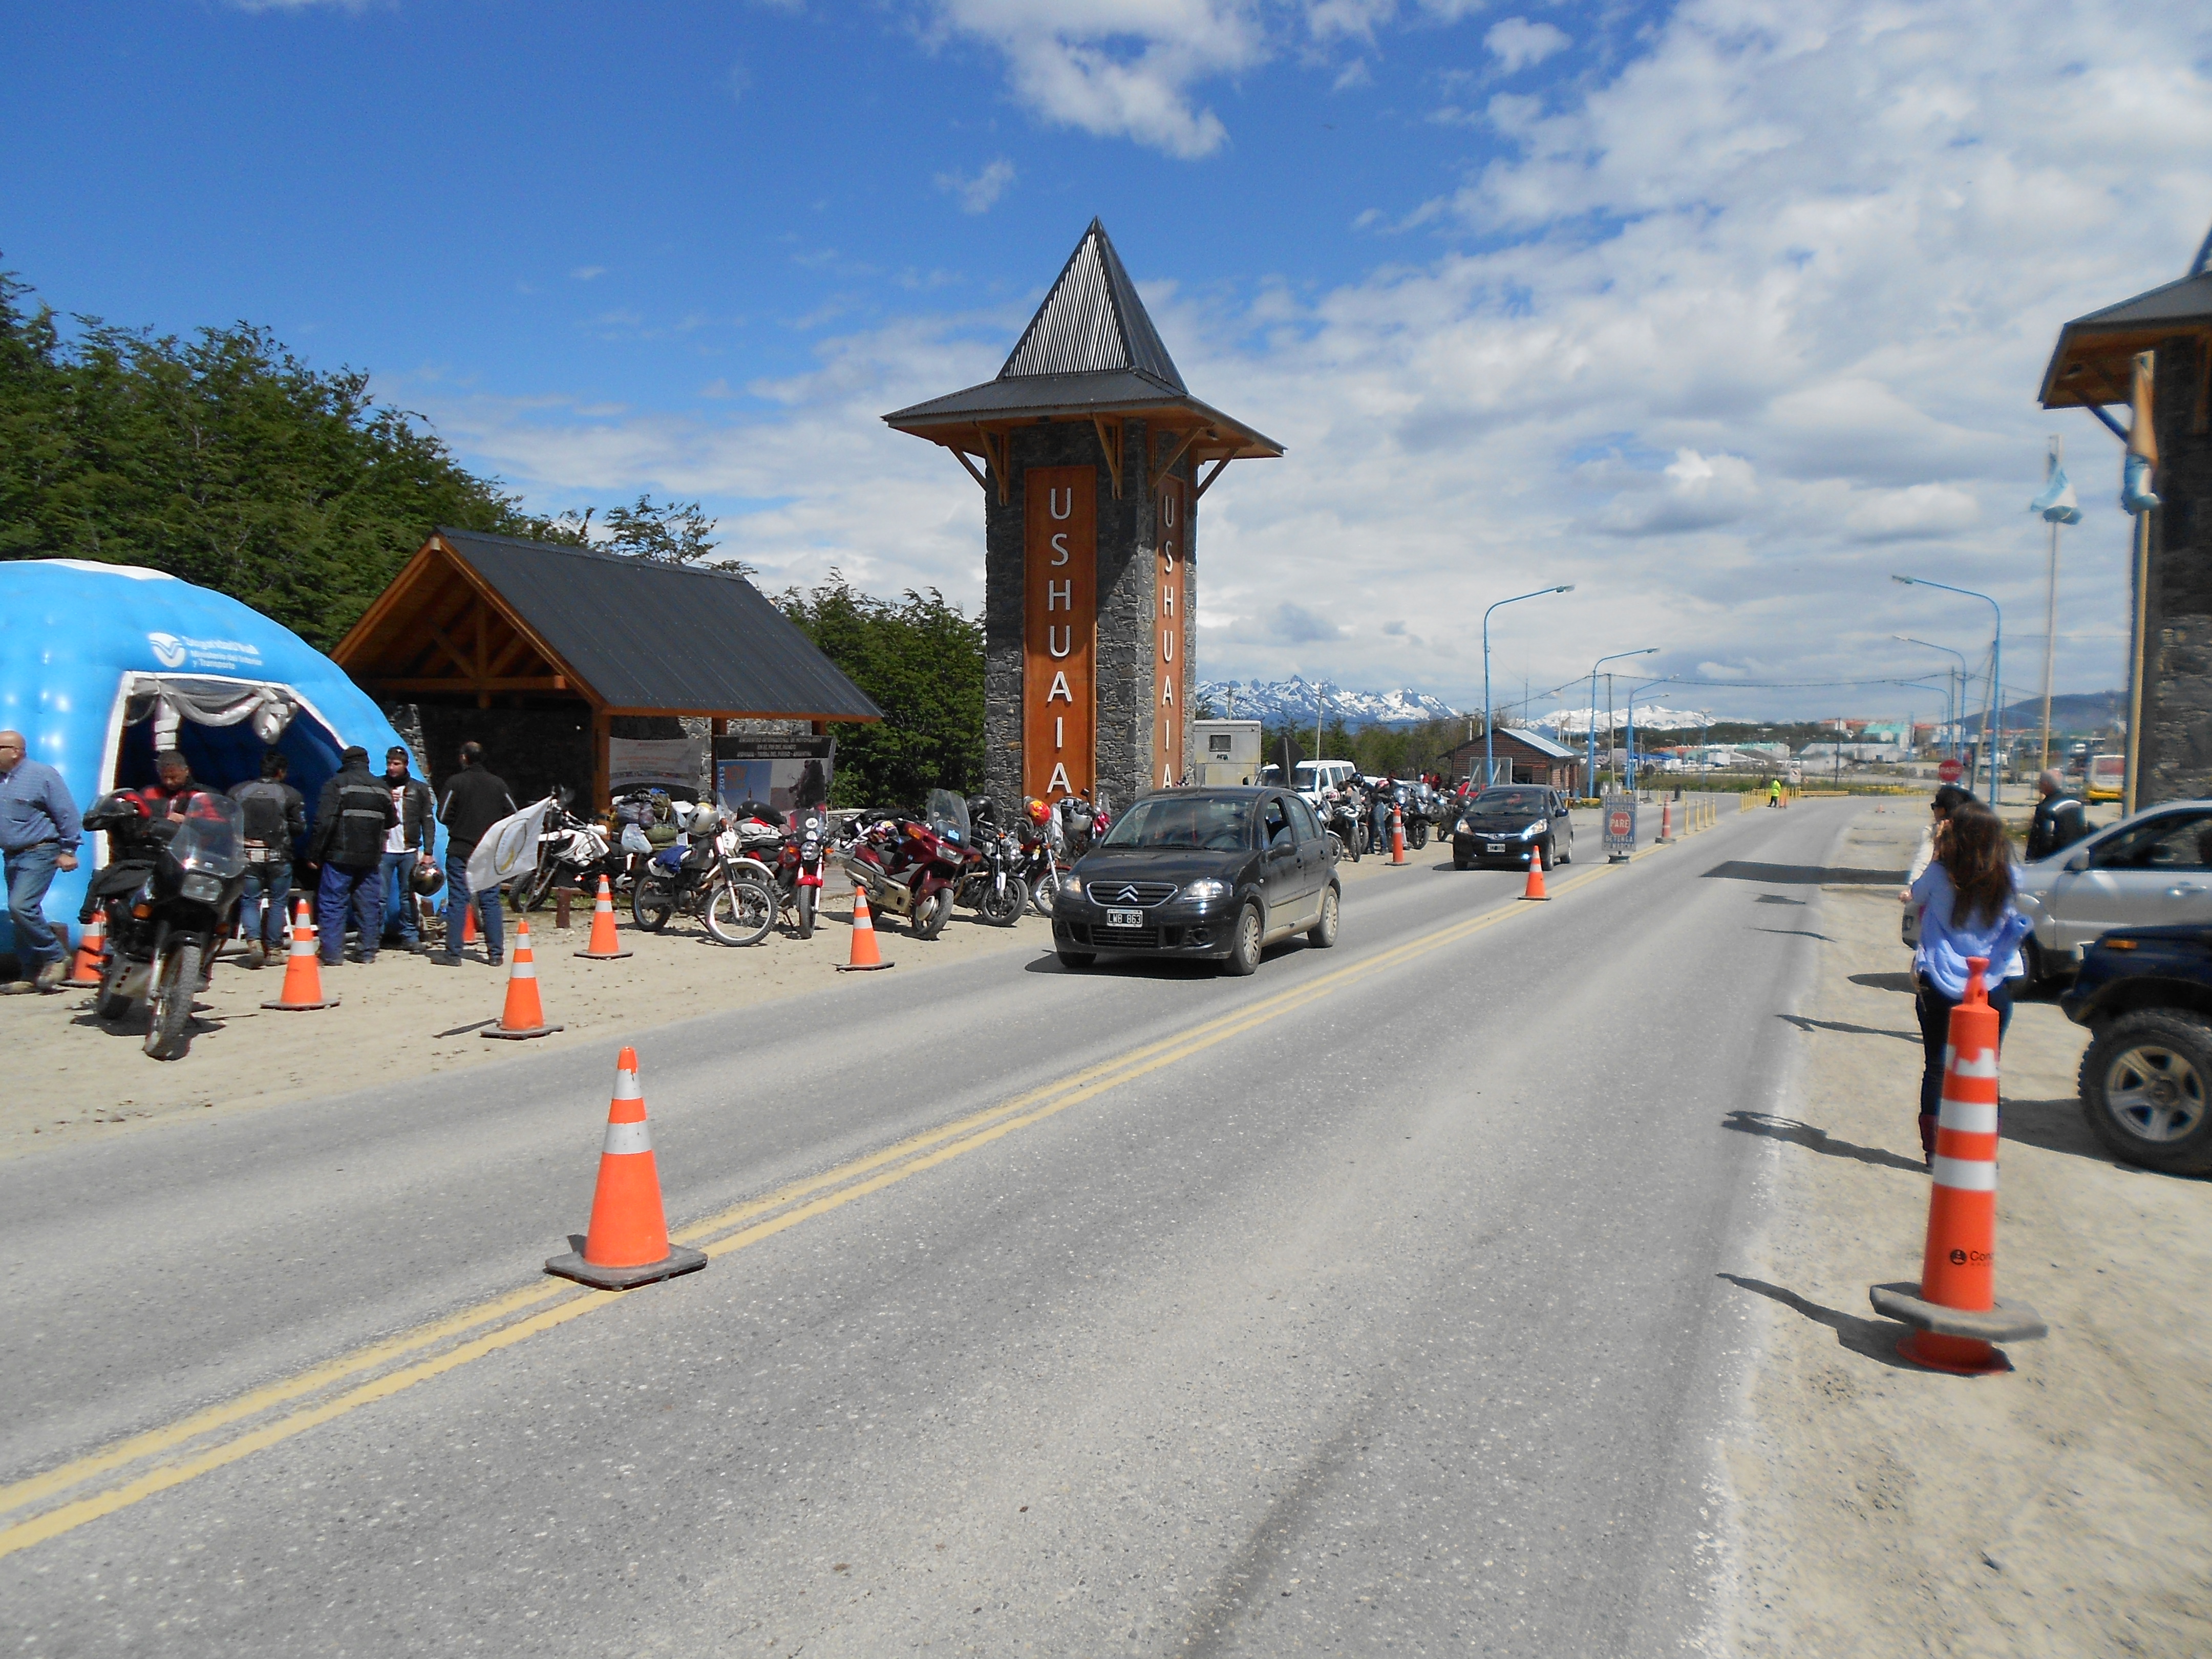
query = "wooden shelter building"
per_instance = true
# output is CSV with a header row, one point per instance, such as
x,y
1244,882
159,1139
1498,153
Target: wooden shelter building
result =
x,y
543,654
1092,455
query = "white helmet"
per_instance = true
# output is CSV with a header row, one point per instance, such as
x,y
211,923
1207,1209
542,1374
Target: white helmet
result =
x,y
704,817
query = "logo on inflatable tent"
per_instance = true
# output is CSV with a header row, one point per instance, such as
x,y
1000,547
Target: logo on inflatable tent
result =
x,y
168,649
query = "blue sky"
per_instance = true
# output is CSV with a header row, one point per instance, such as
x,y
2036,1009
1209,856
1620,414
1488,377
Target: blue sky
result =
x,y
1721,311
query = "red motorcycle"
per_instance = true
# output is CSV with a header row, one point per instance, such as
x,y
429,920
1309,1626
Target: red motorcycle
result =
x,y
911,867
786,857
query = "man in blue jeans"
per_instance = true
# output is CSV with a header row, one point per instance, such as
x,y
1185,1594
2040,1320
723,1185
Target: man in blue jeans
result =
x,y
38,835
474,800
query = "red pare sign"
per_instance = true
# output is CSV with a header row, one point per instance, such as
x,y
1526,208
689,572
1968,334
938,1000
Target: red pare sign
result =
x,y
1622,824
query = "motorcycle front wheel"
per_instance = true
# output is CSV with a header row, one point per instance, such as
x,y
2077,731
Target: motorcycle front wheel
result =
x,y
1043,896
930,915
1005,910
651,905
806,903
1419,838
168,1033
740,913
540,884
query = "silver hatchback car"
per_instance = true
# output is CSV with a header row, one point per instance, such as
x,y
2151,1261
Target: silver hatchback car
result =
x,y
2151,870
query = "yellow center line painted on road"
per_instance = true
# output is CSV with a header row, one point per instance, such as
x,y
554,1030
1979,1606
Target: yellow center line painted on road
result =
x,y
732,1230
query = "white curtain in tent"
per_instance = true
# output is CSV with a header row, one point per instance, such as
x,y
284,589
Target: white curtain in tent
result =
x,y
172,699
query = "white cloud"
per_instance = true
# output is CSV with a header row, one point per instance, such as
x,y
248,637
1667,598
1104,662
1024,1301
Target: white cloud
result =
x,y
587,273
1735,334
1516,43
1120,68
980,193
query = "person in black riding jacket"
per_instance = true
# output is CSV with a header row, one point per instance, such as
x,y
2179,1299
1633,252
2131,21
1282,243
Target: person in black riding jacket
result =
x,y
276,824
352,817
2059,821
474,801
403,848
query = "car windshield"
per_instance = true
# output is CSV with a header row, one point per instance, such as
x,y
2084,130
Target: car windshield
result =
x,y
1510,800
1209,823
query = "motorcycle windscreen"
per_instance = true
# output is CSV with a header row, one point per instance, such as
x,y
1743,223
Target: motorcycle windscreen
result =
x,y
211,838
948,815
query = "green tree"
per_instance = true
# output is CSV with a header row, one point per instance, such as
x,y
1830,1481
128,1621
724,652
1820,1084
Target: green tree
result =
x,y
922,661
666,533
223,459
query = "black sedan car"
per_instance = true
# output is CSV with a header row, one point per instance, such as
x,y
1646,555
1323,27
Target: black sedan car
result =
x,y
2146,995
1205,873
1500,824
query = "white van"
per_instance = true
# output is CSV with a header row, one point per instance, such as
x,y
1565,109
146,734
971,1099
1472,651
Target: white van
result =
x,y
1312,777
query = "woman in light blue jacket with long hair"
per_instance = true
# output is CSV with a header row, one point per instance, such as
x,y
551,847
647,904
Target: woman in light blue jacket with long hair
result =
x,y
1966,900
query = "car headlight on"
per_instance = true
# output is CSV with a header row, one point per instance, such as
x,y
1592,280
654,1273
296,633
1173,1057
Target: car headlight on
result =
x,y
1206,889
1533,830
1461,828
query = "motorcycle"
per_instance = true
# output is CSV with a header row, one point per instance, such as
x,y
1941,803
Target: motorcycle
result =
x,y
572,852
910,867
167,908
989,883
1038,866
1082,824
1345,823
787,857
696,875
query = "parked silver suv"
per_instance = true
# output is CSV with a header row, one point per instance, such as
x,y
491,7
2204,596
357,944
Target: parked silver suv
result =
x,y
2154,869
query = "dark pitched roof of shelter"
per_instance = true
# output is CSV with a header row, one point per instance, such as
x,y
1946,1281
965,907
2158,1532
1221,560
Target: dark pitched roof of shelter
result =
x,y
1090,350
641,636
2090,363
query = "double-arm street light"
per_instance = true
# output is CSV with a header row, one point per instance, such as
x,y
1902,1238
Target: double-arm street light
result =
x,y
1648,651
1629,765
1489,762
1993,740
1955,694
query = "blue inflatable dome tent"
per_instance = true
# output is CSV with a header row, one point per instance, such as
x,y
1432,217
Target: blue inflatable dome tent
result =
x,y
96,659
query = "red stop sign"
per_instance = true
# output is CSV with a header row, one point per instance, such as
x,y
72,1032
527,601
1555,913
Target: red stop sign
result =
x,y
1950,771
1621,821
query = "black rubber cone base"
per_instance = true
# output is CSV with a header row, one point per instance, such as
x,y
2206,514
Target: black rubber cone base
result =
x,y
866,968
679,1259
518,1035
299,1007
601,956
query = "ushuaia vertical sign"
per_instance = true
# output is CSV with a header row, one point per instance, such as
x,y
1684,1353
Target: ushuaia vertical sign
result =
x,y
1167,640
1059,630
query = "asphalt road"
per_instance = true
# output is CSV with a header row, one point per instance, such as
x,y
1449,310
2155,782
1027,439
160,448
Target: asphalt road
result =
x,y
1367,1304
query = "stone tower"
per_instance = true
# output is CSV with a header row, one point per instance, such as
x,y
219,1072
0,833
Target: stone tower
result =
x,y
1092,456
2170,661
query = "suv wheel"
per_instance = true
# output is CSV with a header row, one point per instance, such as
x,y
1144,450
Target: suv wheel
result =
x,y
2144,1085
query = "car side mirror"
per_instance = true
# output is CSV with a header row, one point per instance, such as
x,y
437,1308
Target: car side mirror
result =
x,y
2077,864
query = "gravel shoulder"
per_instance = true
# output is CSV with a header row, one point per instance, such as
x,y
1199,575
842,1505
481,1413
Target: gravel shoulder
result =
x,y
2063,1509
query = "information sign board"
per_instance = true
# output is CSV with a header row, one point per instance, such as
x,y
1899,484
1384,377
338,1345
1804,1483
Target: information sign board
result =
x,y
1619,826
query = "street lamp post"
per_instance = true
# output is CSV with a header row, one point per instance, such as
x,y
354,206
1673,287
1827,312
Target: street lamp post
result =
x,y
1996,676
1629,766
1489,762
1648,650
1954,697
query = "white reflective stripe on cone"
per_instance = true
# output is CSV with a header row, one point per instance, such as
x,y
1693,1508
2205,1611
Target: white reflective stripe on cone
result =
x,y
626,1086
629,1137
1981,1063
525,968
1973,1117
1966,1174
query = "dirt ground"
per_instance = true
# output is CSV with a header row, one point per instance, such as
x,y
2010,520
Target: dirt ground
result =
x,y
2065,1507
71,1076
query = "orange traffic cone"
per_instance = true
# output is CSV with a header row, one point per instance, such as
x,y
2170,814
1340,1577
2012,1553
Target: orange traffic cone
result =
x,y
1666,821
523,1015
865,955
87,964
1954,1309
1535,890
628,1242
605,946
469,934
303,969
1397,837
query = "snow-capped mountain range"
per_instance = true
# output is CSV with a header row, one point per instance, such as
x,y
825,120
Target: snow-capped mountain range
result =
x,y
1296,700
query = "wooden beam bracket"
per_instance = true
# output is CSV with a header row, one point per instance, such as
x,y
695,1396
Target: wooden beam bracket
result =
x,y
1220,466
1166,469
998,447
1109,440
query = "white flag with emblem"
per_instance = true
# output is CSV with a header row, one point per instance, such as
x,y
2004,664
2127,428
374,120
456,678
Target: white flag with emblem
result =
x,y
509,848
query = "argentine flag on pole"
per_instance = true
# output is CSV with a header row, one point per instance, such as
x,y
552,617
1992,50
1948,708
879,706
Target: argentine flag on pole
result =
x,y
2057,502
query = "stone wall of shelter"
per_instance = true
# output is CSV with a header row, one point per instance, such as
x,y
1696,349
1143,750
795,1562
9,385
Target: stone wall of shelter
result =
x,y
2176,749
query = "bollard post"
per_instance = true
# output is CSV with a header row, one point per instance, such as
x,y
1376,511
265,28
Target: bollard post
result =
x,y
560,906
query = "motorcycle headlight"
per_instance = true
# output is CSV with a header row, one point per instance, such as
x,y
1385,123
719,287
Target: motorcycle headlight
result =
x,y
200,887
1206,889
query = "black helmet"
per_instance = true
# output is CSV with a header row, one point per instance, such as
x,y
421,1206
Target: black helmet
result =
x,y
428,877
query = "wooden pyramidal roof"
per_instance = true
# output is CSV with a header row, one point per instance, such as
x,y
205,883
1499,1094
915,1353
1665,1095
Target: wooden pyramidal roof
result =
x,y
2091,364
1090,354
